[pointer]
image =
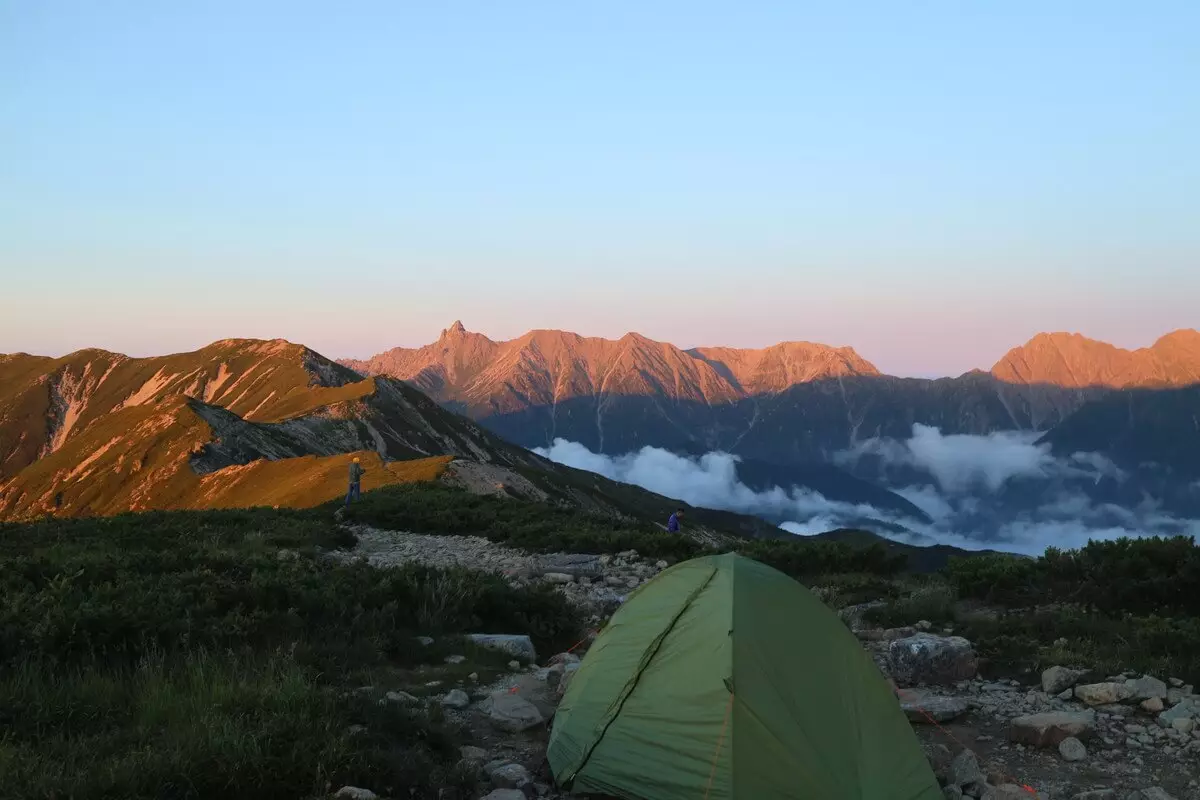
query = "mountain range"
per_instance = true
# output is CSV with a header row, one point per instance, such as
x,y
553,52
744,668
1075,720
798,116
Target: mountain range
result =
x,y
795,402
246,422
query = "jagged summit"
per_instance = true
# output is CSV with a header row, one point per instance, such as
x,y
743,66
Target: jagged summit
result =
x,y
555,365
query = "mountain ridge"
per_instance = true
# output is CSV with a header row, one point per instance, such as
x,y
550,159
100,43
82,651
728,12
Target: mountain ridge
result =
x,y
1048,357
244,422
791,403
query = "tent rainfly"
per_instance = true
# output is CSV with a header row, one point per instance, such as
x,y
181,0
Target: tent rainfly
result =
x,y
724,679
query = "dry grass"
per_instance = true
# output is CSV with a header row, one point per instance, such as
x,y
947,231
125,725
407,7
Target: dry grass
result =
x,y
308,481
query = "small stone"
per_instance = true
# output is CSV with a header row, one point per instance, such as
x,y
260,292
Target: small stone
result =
x,y
475,755
1153,705
1058,679
661,564
509,776
1071,749
516,645
473,677
1183,724
425,641
1175,682
505,794
404,698
559,578
1006,791
964,769
354,793
514,665
456,698
511,713
920,708
455,659
1146,688
1047,730
1100,694
1066,694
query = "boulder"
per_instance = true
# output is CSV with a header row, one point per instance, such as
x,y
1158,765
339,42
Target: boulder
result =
x,y
1103,694
1071,749
518,646
1047,730
920,708
1058,679
1154,705
456,698
1146,687
511,713
926,658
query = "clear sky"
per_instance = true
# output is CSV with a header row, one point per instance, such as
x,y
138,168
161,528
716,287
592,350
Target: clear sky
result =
x,y
930,182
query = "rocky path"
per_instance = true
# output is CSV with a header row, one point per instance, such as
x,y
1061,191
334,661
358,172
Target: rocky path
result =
x,y
596,583
1125,737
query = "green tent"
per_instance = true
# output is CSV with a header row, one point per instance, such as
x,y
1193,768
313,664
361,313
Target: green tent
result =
x,y
724,678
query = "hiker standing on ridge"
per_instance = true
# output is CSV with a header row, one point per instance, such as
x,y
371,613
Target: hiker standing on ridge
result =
x,y
355,490
673,522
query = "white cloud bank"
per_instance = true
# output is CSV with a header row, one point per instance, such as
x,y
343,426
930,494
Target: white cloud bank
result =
x,y
964,472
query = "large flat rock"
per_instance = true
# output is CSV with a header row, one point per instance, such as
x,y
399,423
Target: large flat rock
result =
x,y
1048,730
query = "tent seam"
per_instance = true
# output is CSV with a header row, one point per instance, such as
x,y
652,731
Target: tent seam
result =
x,y
629,688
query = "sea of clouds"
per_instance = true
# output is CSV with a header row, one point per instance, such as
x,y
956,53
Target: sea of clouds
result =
x,y
959,481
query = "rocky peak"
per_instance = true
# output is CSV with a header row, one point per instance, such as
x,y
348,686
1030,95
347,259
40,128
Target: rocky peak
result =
x,y
1075,361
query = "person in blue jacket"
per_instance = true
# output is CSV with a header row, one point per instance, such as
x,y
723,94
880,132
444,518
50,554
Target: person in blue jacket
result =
x,y
673,522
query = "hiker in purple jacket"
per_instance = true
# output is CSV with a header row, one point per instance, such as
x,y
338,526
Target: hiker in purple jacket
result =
x,y
673,522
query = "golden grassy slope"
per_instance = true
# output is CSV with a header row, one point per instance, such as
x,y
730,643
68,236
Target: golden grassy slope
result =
x,y
306,481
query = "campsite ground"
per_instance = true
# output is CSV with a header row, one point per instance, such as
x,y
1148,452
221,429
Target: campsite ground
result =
x,y
238,654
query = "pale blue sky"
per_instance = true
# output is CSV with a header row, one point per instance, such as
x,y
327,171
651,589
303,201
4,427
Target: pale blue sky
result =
x,y
930,182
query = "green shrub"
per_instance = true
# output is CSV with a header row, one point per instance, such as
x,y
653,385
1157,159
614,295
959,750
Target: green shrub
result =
x,y
208,725
536,527
1161,646
203,655
805,560
934,603
1010,581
